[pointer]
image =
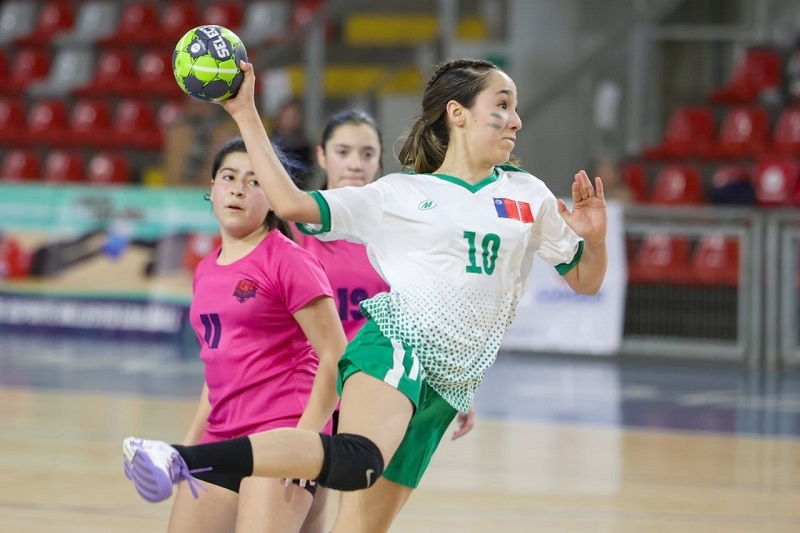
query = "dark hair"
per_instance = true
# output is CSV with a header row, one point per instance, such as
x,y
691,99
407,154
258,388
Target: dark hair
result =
x,y
356,117
426,143
236,145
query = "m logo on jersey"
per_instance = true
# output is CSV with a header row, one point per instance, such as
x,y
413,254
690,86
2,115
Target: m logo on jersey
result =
x,y
245,289
424,205
508,208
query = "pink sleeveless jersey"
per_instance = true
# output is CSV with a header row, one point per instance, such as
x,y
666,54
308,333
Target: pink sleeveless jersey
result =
x,y
259,366
351,275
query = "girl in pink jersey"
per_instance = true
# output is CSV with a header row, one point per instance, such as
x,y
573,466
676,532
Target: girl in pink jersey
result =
x,y
270,337
350,155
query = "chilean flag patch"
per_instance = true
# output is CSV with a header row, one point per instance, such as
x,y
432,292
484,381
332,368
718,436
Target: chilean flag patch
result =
x,y
508,208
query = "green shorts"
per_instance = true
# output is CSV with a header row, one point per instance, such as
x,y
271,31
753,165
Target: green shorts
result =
x,y
396,364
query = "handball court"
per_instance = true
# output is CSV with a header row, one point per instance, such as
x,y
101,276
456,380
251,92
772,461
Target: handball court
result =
x,y
561,444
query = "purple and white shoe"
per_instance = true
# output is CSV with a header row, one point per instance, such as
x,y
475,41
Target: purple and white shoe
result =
x,y
154,467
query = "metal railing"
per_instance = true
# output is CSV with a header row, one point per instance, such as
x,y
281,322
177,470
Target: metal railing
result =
x,y
781,323
697,320
756,322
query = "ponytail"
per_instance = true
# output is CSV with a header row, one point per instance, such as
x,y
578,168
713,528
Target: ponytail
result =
x,y
425,146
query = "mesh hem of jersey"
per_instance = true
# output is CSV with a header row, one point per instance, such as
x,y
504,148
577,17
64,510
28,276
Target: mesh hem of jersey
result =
x,y
456,402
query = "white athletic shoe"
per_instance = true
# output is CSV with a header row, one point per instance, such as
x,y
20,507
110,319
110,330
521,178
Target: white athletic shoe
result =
x,y
154,467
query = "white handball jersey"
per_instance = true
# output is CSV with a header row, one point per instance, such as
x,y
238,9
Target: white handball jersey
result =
x,y
457,258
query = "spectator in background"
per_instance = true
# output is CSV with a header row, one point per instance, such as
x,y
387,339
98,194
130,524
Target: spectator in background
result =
x,y
287,132
608,169
192,140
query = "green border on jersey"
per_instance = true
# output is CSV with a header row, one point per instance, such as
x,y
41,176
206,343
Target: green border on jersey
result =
x,y
491,178
563,268
324,215
511,168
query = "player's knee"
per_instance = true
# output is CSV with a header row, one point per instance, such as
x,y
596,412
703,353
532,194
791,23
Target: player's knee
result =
x,y
351,462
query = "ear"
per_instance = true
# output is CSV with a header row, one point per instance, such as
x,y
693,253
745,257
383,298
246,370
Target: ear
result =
x,y
456,113
321,159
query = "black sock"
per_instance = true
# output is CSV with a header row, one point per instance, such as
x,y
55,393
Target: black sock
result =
x,y
233,456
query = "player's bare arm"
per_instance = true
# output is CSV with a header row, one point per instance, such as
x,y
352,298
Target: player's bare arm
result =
x,y
288,201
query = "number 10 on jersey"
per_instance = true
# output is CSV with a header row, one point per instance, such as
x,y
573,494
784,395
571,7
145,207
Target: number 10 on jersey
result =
x,y
490,244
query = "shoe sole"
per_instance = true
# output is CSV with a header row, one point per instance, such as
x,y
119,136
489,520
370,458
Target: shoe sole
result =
x,y
151,482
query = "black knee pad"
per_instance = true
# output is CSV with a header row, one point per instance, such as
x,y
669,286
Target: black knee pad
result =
x,y
351,462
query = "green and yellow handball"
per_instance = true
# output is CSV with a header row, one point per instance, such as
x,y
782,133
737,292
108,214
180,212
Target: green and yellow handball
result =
x,y
206,63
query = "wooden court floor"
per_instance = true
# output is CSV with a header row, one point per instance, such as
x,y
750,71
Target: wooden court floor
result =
x,y
61,471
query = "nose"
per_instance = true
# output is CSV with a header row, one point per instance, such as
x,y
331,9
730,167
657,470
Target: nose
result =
x,y
515,123
354,161
237,188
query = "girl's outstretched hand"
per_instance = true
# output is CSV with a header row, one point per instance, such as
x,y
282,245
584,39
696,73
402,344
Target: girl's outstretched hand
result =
x,y
245,100
465,422
588,217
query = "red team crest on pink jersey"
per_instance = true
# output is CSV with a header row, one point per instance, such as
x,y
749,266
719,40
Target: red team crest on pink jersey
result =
x,y
245,289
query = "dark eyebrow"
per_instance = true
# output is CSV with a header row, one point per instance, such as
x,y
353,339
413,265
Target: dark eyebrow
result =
x,y
350,146
234,171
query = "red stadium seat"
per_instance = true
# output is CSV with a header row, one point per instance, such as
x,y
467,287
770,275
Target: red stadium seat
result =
x,y
3,65
138,25
198,246
678,185
176,19
135,126
61,166
46,123
168,113
690,132
115,71
153,76
54,17
660,258
27,66
108,169
12,118
90,123
775,181
716,261
228,15
759,71
744,132
20,164
786,137
155,69
634,175
303,10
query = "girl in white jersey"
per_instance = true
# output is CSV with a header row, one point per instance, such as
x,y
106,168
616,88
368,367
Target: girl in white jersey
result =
x,y
456,242
349,153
